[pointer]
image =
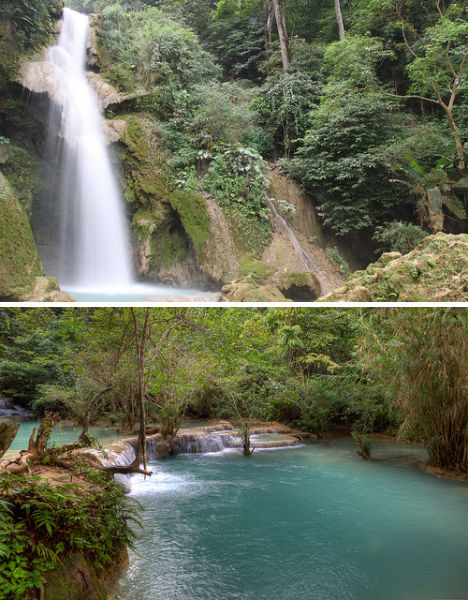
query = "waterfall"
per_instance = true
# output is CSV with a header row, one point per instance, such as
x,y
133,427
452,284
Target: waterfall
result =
x,y
123,454
93,238
203,444
8,410
309,264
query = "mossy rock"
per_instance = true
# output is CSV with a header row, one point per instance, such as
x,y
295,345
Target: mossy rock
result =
x,y
300,287
191,208
19,260
244,291
435,271
171,226
254,271
74,579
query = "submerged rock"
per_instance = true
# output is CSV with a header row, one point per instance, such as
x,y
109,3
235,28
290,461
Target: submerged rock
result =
x,y
436,271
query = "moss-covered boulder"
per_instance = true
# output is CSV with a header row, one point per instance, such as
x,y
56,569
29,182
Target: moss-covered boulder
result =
x,y
300,287
19,260
435,271
255,283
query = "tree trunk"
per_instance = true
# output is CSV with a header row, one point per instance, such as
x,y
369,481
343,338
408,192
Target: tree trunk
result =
x,y
457,136
282,32
7,435
246,439
339,20
269,23
141,352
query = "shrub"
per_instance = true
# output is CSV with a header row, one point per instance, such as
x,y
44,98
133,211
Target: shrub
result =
x,y
236,179
399,237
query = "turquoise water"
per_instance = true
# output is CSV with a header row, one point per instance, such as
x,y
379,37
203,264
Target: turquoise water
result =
x,y
313,523
140,292
63,433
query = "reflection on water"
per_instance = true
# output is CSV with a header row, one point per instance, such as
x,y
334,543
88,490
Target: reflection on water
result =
x,y
63,433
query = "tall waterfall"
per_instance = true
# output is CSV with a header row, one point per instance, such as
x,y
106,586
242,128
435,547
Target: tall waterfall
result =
x,y
93,236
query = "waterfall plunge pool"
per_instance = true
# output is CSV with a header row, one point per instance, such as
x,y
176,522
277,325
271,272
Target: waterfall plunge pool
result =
x,y
310,523
139,292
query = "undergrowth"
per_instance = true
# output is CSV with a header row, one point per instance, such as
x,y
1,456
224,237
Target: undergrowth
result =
x,y
40,523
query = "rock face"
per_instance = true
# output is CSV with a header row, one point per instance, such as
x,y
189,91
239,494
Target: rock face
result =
x,y
19,260
436,271
46,289
76,579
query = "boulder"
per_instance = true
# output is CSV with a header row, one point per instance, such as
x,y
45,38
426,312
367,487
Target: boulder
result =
x,y
299,287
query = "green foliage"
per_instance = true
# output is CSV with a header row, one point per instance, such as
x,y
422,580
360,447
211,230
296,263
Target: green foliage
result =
x,y
30,20
30,361
236,179
283,106
422,362
40,523
238,43
399,237
154,49
340,155
334,254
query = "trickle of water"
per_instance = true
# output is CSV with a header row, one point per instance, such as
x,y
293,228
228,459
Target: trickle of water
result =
x,y
93,238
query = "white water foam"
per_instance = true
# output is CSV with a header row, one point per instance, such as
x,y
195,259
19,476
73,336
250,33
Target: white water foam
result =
x,y
94,239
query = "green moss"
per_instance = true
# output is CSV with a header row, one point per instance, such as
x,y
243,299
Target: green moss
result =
x,y
74,579
255,270
191,208
268,293
19,261
22,172
249,234
289,279
300,286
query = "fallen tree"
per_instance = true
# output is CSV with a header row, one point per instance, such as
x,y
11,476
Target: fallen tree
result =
x,y
61,456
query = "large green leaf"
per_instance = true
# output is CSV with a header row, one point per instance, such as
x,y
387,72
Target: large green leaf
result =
x,y
455,206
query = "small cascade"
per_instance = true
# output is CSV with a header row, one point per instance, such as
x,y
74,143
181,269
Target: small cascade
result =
x,y
204,444
309,264
123,454
93,237
8,410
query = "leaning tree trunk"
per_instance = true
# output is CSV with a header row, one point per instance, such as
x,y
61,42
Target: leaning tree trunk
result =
x,y
7,435
283,33
339,20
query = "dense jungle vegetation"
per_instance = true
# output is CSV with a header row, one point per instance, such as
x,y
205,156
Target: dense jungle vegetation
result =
x,y
402,372
362,102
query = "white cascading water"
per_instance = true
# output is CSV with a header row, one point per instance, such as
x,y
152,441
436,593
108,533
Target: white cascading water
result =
x,y
94,234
